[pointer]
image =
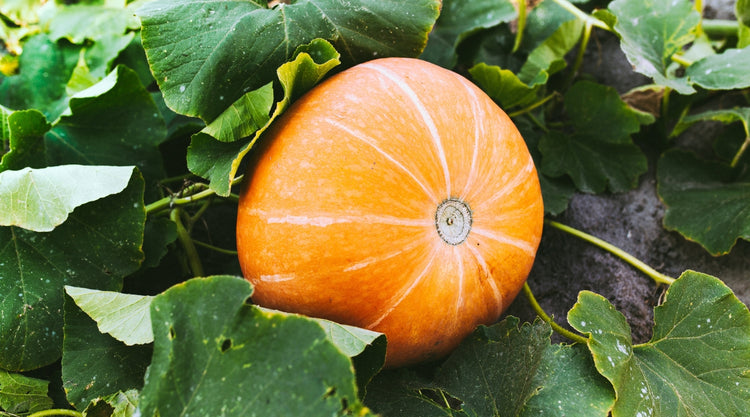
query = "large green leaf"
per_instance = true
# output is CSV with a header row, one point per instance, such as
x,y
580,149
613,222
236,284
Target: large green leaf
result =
x,y
41,199
651,32
724,71
458,20
189,43
22,135
20,394
114,122
44,70
120,404
216,354
500,370
126,317
599,153
218,161
697,362
94,365
534,374
705,200
97,246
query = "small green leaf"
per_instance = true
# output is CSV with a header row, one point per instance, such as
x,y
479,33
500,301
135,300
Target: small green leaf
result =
x,y
20,394
549,57
503,86
96,247
458,20
740,114
691,188
79,22
244,117
94,365
724,71
22,135
123,316
209,341
189,42
219,161
651,32
599,154
696,363
41,199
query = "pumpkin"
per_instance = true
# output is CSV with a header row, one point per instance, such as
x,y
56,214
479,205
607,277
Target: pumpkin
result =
x,y
395,196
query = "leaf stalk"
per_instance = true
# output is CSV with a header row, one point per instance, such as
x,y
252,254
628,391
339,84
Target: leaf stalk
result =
x,y
183,236
547,319
580,14
56,412
657,276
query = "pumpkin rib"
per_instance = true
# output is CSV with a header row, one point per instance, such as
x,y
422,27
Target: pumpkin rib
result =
x,y
368,140
402,296
478,114
498,296
422,110
523,245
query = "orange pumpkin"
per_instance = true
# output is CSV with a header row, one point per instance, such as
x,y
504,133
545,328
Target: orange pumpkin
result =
x,y
395,196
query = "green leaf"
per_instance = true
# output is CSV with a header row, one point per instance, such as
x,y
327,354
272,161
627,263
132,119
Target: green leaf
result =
x,y
41,199
20,394
460,19
402,393
244,117
503,86
44,70
219,161
22,134
97,246
724,71
189,42
651,32
114,122
691,187
123,316
535,374
94,365
600,153
549,57
696,363
738,114
209,341
120,404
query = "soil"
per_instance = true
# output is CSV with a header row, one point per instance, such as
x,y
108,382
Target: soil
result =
x,y
632,221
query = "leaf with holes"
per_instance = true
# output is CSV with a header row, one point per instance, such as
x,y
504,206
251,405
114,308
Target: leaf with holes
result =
x,y
215,354
700,318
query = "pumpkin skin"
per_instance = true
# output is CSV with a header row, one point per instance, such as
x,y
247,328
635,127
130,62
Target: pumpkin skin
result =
x,y
395,196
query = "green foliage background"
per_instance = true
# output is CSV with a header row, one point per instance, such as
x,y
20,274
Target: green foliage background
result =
x,y
124,126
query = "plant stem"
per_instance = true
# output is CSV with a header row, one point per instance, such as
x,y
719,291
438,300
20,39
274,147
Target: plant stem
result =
x,y
570,7
720,28
56,412
581,51
532,106
215,248
657,276
547,319
681,60
192,193
521,25
743,148
187,243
